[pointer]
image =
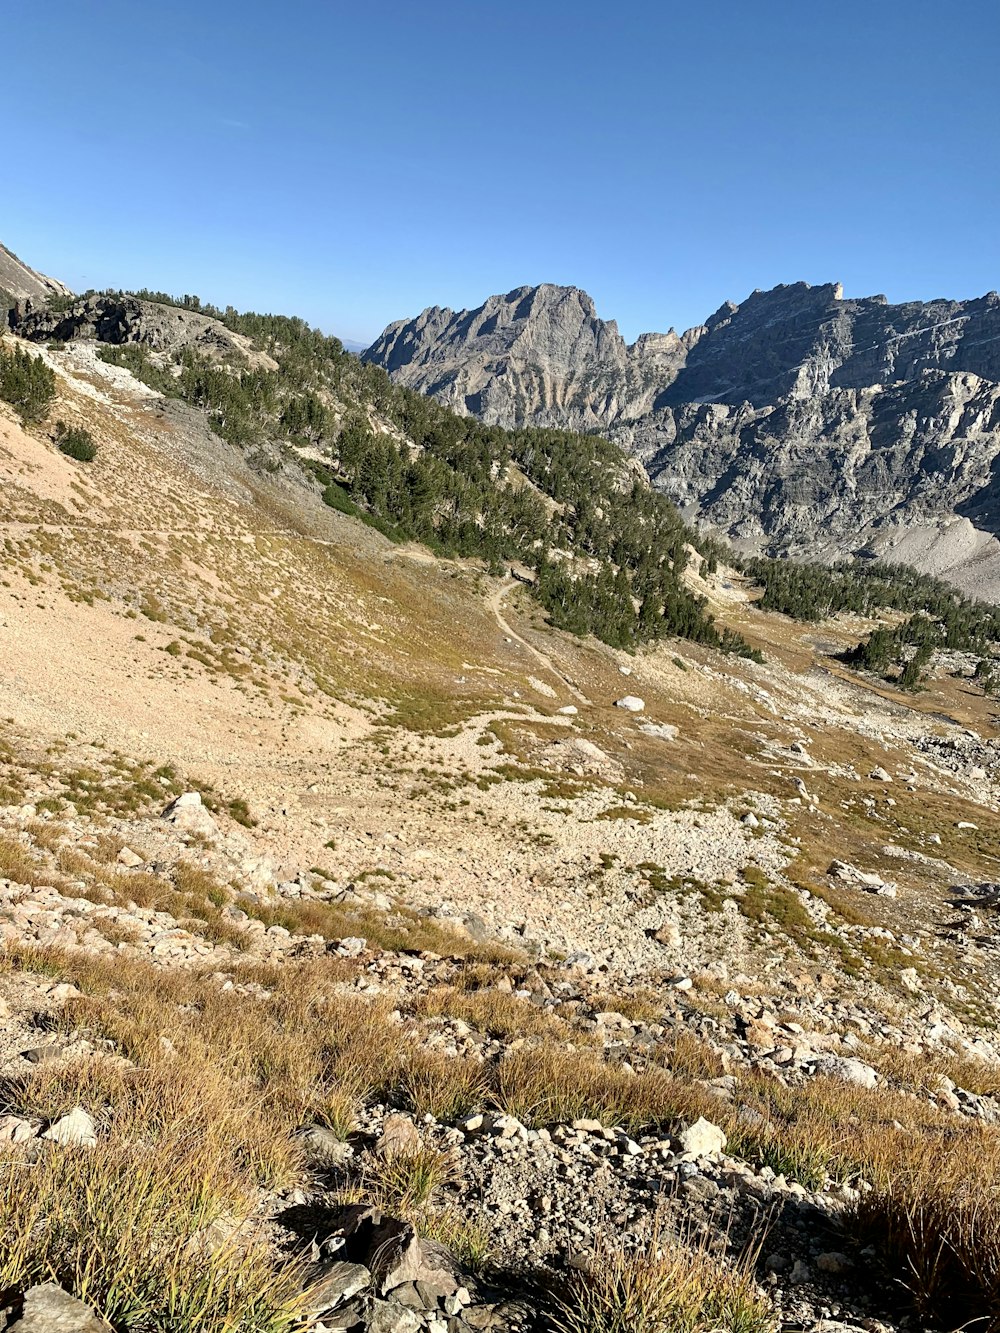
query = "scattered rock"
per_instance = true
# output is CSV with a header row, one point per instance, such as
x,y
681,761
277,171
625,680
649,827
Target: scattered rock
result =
x,y
15,1130
322,1146
188,813
399,1137
334,1285
631,703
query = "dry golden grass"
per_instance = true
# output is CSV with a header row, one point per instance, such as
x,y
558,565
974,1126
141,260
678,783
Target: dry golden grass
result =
x,y
21,865
545,1085
667,1286
404,1183
915,1073
936,1219
493,1013
220,1078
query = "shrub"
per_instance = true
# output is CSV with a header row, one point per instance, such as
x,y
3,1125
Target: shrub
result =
x,y
75,442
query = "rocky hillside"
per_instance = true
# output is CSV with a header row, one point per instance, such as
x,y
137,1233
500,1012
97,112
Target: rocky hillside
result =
x,y
798,420
23,283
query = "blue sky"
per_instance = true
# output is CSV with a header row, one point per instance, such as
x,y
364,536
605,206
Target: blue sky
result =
x,y
356,162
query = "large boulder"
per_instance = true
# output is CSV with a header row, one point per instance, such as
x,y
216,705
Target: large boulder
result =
x,y
848,1070
188,813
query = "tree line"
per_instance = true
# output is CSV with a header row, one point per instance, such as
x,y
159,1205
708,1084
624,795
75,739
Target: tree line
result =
x,y
608,552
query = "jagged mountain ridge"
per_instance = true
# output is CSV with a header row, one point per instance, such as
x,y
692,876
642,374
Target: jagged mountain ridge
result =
x,y
797,420
538,355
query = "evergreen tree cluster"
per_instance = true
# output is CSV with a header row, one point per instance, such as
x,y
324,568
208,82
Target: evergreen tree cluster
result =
x,y
810,591
940,616
900,654
608,552
27,383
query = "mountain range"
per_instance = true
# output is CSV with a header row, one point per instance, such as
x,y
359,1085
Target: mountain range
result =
x,y
798,421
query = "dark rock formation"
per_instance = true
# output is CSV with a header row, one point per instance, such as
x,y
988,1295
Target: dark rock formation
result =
x,y
114,318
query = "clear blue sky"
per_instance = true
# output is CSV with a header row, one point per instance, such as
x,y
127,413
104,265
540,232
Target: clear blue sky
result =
x,y
355,162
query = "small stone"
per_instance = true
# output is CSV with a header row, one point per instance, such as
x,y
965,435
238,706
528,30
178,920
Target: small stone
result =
x,y
391,1317
631,703
334,1285
63,991
323,1145
15,1130
668,935
51,1050
834,1262
130,859
399,1137
76,1129
702,1139
880,774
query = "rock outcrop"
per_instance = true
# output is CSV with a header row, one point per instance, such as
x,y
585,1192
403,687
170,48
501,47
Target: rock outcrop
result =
x,y
111,317
797,421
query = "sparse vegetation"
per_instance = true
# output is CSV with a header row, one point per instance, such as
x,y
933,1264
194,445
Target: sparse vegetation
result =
x,y
665,1287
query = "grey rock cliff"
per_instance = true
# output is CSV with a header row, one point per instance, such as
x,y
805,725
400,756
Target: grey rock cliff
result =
x,y
797,420
539,355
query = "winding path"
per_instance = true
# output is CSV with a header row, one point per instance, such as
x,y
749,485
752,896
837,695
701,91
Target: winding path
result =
x,y
495,602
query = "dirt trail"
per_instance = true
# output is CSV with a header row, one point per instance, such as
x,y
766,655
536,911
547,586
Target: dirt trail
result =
x,y
494,602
